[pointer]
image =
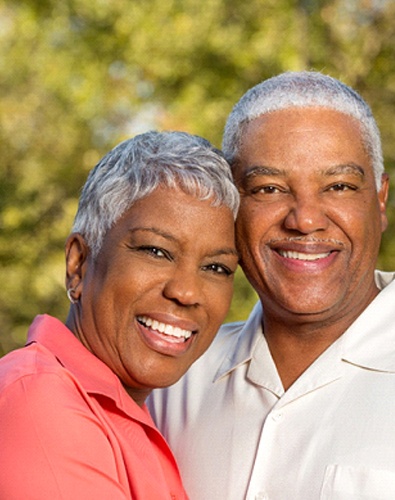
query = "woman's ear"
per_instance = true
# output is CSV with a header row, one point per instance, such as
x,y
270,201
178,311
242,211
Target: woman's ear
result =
x,y
77,252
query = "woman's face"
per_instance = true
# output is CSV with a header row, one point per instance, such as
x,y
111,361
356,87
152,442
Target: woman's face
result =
x,y
152,301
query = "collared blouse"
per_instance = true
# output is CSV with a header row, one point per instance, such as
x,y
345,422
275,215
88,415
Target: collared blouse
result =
x,y
69,430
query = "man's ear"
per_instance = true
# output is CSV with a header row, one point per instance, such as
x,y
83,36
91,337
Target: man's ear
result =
x,y
77,252
383,197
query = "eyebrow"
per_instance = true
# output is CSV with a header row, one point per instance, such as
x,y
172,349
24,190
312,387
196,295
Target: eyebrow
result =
x,y
159,232
151,229
263,170
224,251
347,168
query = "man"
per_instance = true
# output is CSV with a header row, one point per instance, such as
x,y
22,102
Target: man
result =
x,y
298,402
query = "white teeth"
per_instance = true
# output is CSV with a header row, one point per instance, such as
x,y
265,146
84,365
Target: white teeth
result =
x,y
174,331
303,256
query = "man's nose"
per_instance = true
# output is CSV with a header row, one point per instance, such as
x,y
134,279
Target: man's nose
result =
x,y
306,215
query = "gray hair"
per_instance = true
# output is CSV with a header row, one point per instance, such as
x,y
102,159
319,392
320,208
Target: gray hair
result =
x,y
303,89
136,167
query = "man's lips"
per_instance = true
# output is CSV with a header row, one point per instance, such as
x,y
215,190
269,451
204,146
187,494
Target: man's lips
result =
x,y
292,254
306,255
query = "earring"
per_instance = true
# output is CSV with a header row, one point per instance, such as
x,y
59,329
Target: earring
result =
x,y
70,297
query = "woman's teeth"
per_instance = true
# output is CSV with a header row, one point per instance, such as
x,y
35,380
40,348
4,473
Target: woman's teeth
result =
x,y
174,331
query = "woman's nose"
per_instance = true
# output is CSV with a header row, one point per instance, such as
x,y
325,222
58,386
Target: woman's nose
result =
x,y
184,287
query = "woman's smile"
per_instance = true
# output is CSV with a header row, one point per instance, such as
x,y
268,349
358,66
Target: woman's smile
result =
x,y
160,287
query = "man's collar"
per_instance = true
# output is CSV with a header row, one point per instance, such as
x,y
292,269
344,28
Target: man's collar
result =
x,y
248,336
369,342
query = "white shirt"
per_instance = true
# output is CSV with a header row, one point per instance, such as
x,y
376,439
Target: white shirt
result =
x,y
237,435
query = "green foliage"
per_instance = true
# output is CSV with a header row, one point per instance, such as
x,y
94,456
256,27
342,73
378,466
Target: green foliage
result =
x,y
78,76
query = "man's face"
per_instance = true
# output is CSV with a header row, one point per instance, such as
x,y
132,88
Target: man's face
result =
x,y
310,222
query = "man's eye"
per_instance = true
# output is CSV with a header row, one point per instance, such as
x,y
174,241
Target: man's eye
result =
x,y
340,186
265,190
218,269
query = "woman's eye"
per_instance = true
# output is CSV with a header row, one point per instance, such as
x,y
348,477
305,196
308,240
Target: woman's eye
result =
x,y
219,269
154,251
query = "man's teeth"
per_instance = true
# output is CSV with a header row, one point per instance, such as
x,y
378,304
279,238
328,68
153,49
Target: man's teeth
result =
x,y
174,331
302,256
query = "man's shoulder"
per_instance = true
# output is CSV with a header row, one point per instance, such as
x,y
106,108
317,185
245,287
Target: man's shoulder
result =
x,y
222,346
229,329
202,373
227,333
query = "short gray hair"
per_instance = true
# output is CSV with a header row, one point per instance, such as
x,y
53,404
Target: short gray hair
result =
x,y
303,89
137,166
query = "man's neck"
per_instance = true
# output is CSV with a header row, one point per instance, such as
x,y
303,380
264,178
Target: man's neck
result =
x,y
296,342
293,354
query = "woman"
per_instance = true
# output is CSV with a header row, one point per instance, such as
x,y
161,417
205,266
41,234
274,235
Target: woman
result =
x,y
149,272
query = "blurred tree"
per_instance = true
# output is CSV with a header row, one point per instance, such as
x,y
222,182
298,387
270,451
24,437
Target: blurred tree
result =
x,y
78,76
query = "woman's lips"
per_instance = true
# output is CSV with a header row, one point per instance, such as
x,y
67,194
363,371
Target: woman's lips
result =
x,y
165,338
167,329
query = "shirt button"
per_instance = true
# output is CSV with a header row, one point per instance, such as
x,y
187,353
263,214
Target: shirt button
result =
x,y
261,496
277,416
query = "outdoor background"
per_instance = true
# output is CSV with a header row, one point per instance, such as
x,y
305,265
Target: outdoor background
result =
x,y
79,76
